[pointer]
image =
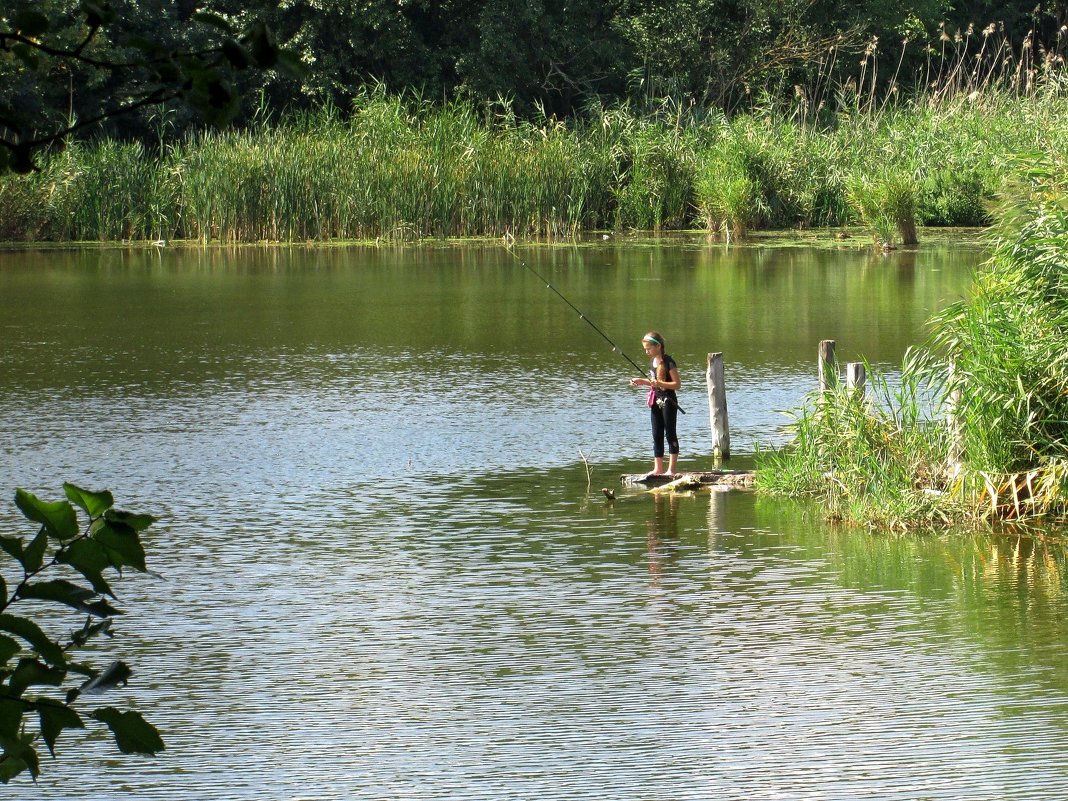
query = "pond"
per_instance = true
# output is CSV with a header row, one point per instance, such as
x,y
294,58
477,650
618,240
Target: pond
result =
x,y
387,570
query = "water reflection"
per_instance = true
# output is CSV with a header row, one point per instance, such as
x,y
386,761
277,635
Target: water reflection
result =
x,y
387,574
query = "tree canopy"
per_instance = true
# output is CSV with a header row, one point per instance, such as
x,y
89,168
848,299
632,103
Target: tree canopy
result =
x,y
67,63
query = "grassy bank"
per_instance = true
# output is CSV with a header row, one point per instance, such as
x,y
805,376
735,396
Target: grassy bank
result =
x,y
977,429
397,168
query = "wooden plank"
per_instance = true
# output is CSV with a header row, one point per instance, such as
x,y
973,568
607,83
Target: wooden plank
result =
x,y
735,479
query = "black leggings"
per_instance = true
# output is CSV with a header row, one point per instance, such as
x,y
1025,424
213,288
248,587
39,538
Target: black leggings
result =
x,y
664,419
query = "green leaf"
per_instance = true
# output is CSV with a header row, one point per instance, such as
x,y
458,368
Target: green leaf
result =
x,y
3,591
86,633
213,19
56,717
237,55
26,54
292,64
94,503
30,24
30,671
33,557
89,558
66,592
8,648
113,675
122,545
57,517
18,755
31,633
134,521
133,734
262,45
13,547
97,12
10,718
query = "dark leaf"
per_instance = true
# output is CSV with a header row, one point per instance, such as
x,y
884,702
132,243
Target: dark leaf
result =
x,y
66,592
57,517
20,158
134,521
31,633
13,547
122,545
262,45
97,12
94,503
29,672
113,675
3,591
237,55
86,633
26,54
56,717
33,557
89,558
8,648
291,63
10,718
30,24
133,734
213,19
18,755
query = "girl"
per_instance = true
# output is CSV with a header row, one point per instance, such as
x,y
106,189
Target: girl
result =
x,y
663,382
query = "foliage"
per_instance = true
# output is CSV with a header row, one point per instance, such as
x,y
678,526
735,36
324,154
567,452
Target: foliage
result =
x,y
879,461
132,66
986,438
35,663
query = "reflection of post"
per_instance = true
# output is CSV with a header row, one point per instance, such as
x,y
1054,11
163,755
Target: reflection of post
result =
x,y
663,530
716,526
855,378
717,407
828,367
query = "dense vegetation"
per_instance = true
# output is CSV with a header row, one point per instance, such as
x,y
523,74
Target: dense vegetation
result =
x,y
400,168
977,428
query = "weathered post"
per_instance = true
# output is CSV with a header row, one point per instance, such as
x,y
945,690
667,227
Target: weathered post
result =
x,y
827,365
717,407
856,376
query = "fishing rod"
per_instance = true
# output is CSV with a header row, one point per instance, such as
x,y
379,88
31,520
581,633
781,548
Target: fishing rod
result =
x,y
578,311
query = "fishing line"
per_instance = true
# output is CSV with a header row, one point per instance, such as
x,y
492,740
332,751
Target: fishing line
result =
x,y
578,311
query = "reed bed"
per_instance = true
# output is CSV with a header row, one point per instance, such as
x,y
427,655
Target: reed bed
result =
x,y
977,429
397,167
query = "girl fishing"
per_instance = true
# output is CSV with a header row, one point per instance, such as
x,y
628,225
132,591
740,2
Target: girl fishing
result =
x,y
663,382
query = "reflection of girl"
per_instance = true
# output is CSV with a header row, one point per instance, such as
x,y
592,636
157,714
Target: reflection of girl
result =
x,y
663,380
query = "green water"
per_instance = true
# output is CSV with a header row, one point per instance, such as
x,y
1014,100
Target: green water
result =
x,y
386,573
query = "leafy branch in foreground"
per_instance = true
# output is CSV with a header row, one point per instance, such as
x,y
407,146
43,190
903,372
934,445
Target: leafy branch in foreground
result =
x,y
31,659
150,72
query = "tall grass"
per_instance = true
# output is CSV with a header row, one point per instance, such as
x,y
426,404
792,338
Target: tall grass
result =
x,y
397,167
1000,450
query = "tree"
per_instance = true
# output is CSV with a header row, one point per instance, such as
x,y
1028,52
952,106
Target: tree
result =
x,y
31,659
122,56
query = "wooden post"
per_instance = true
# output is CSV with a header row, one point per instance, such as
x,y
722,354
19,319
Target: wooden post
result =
x,y
717,407
827,366
856,376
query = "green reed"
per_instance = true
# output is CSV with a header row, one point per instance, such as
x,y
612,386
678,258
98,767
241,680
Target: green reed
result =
x,y
398,167
977,427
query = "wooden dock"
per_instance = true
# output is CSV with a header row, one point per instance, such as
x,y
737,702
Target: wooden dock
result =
x,y
733,479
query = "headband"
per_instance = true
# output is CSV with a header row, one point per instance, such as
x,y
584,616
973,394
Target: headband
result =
x,y
654,340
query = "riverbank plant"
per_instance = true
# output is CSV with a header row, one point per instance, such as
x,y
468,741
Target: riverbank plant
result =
x,y
976,426
396,166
